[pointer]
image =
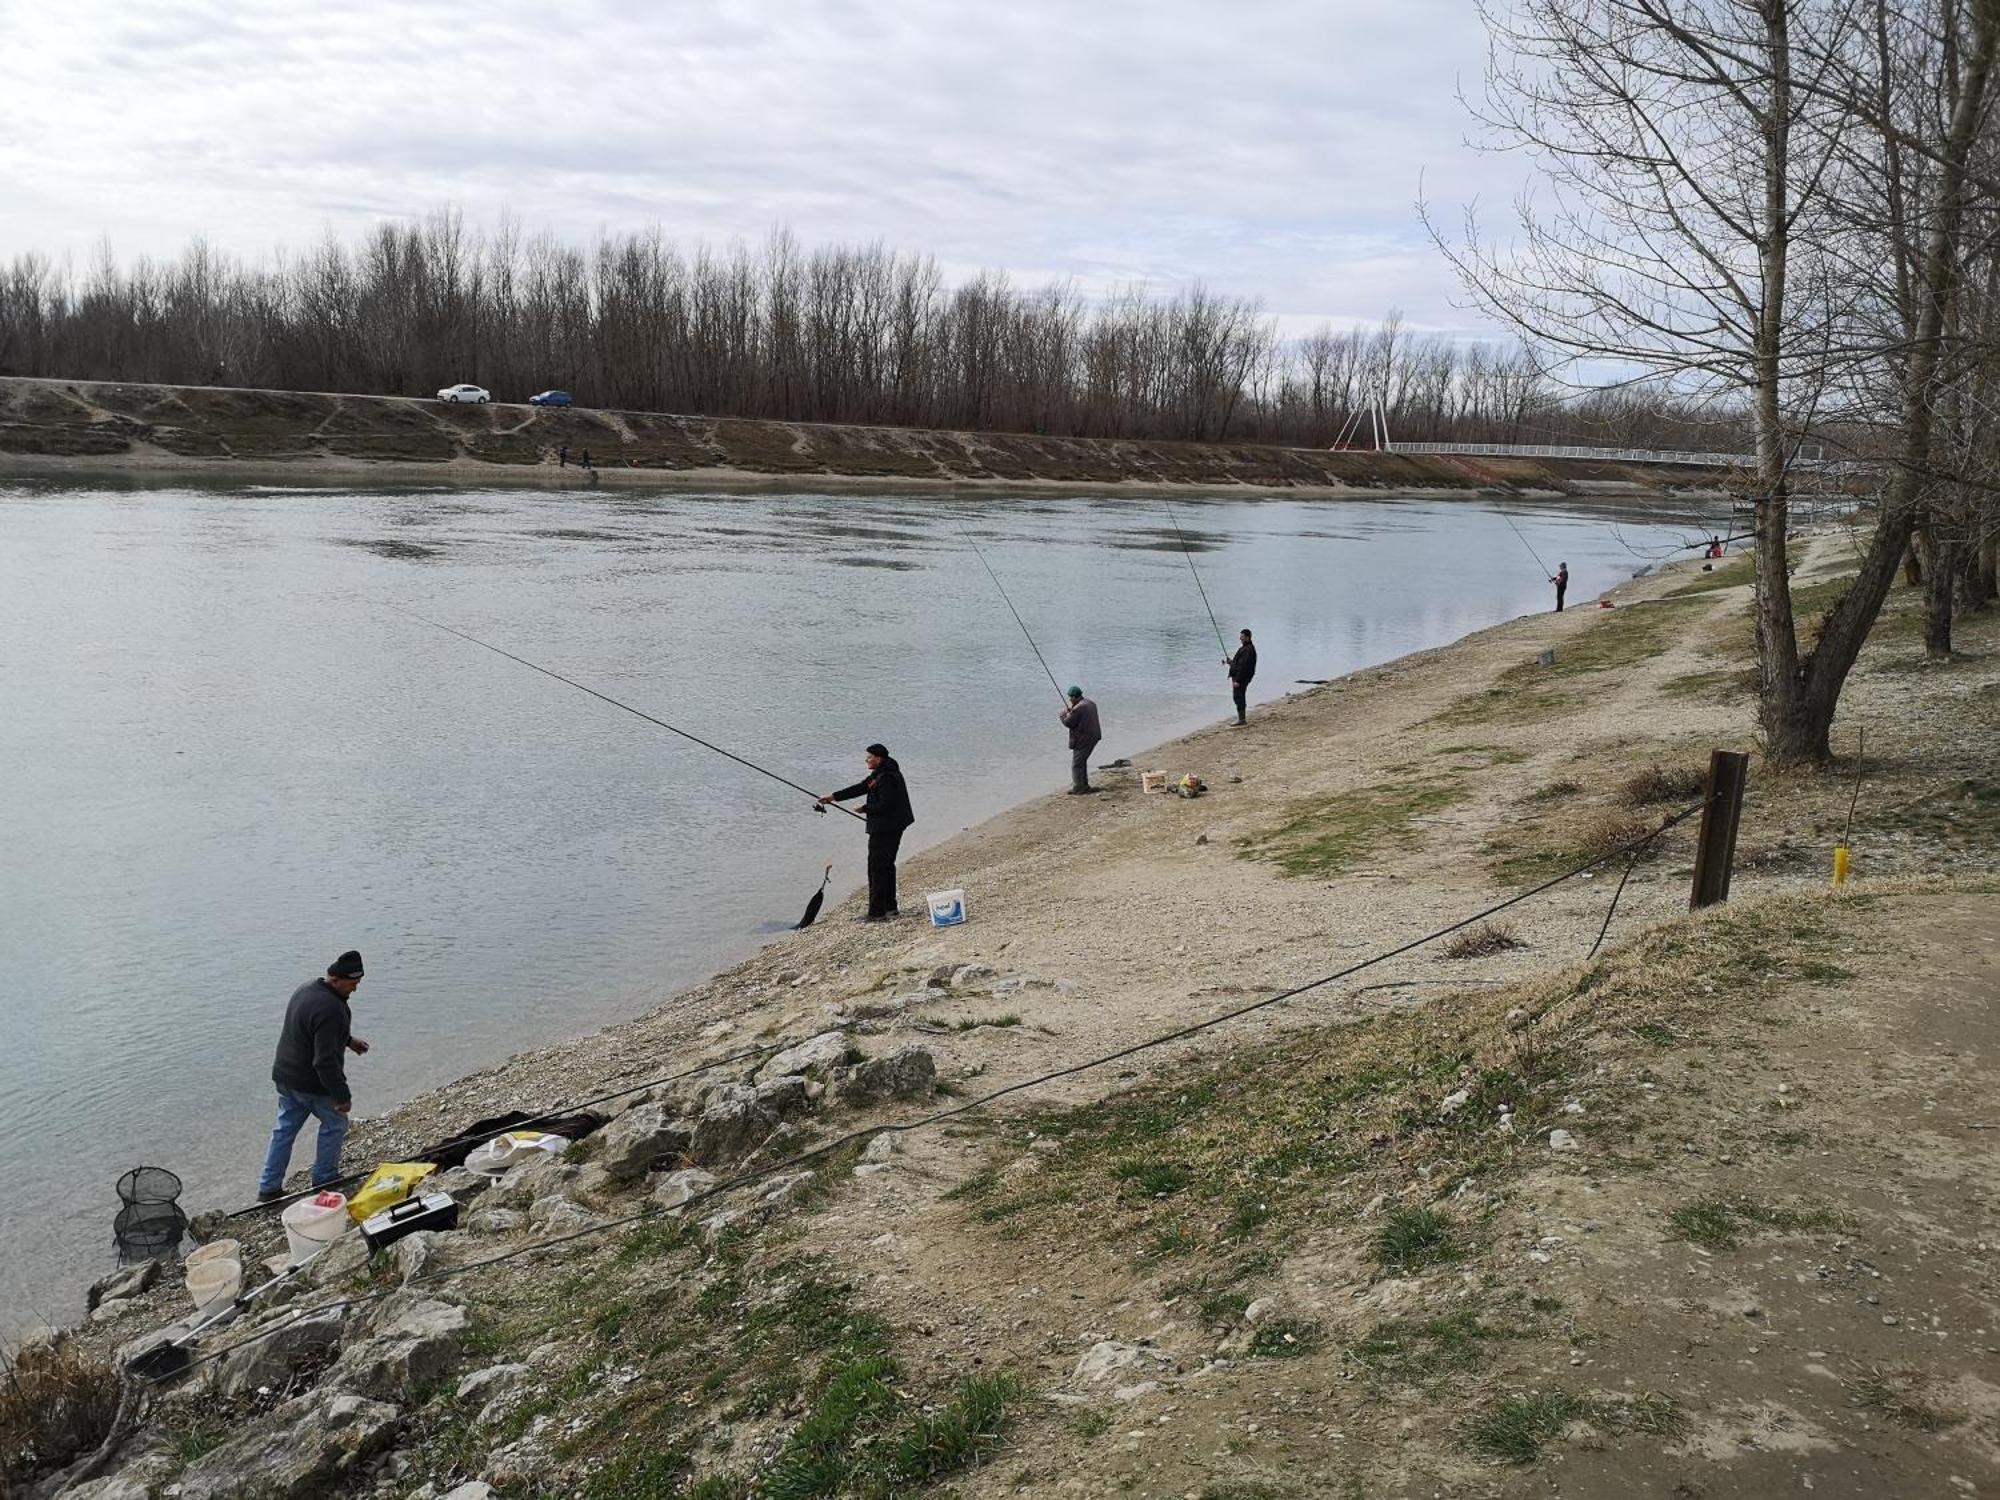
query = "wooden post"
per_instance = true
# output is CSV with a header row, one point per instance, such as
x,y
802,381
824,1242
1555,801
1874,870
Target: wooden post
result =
x,y
1722,810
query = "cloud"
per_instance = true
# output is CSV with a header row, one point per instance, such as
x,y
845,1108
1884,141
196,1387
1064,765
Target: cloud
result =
x,y
1271,148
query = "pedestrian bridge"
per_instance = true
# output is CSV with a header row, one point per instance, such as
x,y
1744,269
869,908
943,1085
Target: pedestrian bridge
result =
x,y
1602,455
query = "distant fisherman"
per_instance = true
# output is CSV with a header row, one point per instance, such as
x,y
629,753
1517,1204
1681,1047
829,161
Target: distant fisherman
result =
x,y
1084,733
1561,581
888,813
1242,667
311,1075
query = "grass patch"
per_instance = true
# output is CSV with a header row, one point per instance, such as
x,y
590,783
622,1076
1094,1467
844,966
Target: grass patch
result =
x,y
1656,785
1733,573
979,1185
975,1023
1516,1429
1538,852
1721,1223
1617,638
1483,941
1284,1339
1555,791
1153,1179
1415,1239
1420,1351
1090,1424
1900,1398
1327,837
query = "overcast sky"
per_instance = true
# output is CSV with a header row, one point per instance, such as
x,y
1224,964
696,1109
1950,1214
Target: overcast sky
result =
x,y
1272,148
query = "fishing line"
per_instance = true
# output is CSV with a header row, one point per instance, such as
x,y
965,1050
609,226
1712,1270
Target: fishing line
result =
x,y
1525,543
1011,610
1188,553
637,713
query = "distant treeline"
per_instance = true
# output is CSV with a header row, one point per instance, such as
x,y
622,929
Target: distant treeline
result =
x,y
834,334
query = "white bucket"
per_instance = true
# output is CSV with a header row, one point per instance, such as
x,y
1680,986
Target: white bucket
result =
x,y
311,1224
947,908
215,1274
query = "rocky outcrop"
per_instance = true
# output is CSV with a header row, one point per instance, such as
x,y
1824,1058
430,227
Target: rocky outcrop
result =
x,y
639,1141
909,1073
816,1056
302,1344
302,1451
411,1342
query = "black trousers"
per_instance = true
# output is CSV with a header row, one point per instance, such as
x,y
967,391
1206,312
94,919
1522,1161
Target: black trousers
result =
x,y
1079,768
882,872
1560,590
1241,692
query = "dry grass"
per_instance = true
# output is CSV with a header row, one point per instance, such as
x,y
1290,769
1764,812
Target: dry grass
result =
x,y
1483,941
1656,785
55,1406
1536,851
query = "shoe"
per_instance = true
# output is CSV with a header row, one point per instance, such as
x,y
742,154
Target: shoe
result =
x,y
895,912
874,916
271,1195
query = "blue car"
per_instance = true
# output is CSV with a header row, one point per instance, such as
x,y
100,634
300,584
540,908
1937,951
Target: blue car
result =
x,y
552,398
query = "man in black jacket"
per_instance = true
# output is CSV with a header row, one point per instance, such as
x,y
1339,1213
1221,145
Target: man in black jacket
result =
x,y
1242,667
888,813
311,1075
1080,717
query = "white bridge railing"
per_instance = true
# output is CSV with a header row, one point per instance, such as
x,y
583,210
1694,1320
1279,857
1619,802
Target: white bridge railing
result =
x,y
1550,450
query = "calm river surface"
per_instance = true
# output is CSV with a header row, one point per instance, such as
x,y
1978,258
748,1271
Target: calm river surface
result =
x,y
225,756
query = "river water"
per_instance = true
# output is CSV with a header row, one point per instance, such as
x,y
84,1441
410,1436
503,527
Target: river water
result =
x,y
226,755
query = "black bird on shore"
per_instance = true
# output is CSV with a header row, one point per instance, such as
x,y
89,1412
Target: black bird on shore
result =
x,y
818,900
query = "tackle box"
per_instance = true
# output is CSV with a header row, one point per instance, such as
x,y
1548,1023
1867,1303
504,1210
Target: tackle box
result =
x,y
425,1211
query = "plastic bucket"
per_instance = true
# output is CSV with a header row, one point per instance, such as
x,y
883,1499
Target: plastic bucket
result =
x,y
947,908
311,1224
215,1274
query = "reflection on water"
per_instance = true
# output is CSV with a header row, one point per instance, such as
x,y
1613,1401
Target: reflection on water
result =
x,y
227,758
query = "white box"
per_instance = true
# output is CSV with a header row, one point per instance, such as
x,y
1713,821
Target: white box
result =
x,y
947,908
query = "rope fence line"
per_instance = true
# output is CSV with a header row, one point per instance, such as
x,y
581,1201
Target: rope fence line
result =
x,y
940,1116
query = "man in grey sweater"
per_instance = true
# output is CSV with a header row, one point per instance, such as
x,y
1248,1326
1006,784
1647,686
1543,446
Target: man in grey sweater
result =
x,y
1081,717
311,1075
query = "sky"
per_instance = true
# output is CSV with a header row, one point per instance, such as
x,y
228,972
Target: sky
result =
x,y
1270,148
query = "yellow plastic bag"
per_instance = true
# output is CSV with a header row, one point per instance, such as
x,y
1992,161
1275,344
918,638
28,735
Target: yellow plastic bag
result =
x,y
388,1185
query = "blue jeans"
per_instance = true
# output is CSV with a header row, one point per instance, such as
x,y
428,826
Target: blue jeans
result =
x,y
293,1108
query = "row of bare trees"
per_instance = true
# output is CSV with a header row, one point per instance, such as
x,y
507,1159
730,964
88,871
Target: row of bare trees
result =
x,y
1787,209
835,334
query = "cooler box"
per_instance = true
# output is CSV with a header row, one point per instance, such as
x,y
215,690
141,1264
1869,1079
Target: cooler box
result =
x,y
947,908
425,1211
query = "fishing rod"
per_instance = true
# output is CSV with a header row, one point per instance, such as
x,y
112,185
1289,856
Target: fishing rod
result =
x,y
1012,611
1188,553
637,713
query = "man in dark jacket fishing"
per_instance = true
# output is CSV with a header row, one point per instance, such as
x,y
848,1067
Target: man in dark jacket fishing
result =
x,y
311,1075
1242,667
1561,581
888,813
1084,733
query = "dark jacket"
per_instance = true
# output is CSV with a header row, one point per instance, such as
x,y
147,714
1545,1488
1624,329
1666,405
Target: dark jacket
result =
x,y
1243,665
312,1045
888,807
1081,716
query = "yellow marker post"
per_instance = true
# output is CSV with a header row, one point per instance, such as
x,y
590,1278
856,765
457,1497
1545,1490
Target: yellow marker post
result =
x,y
1840,858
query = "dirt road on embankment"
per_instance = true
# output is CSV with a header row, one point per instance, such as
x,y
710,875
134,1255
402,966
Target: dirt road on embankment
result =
x,y
57,429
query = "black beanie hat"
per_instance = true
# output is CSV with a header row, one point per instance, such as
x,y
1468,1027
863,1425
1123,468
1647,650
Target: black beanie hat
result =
x,y
347,966
881,750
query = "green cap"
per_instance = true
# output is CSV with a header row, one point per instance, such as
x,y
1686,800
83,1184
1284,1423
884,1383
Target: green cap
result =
x,y
1075,692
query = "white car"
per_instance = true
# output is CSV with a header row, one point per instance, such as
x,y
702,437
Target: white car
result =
x,y
465,393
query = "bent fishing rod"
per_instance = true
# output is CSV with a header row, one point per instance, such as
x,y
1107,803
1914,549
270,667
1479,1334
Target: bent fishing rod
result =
x,y
637,713
1011,610
1526,543
1188,553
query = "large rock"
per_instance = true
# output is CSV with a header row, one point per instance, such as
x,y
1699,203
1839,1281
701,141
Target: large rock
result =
x,y
461,1182
640,1140
338,1261
558,1213
124,1485
413,1342
301,1344
129,1281
787,1095
1108,1360
730,1128
495,1221
908,1073
305,1449
523,1183
679,1187
816,1055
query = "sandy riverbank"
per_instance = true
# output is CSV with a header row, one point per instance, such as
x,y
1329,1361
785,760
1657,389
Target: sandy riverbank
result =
x,y
1345,820
102,430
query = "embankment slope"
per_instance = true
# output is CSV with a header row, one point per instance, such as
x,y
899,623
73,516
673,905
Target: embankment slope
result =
x,y
53,428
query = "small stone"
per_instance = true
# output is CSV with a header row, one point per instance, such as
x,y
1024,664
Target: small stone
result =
x,y
881,1148
1257,1311
1517,1018
1200,838
1890,1320
1561,1140
678,1187
966,974
128,1281
495,1221
1453,1102
473,1490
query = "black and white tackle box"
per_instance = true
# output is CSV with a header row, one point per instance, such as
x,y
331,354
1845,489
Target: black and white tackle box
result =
x,y
425,1211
